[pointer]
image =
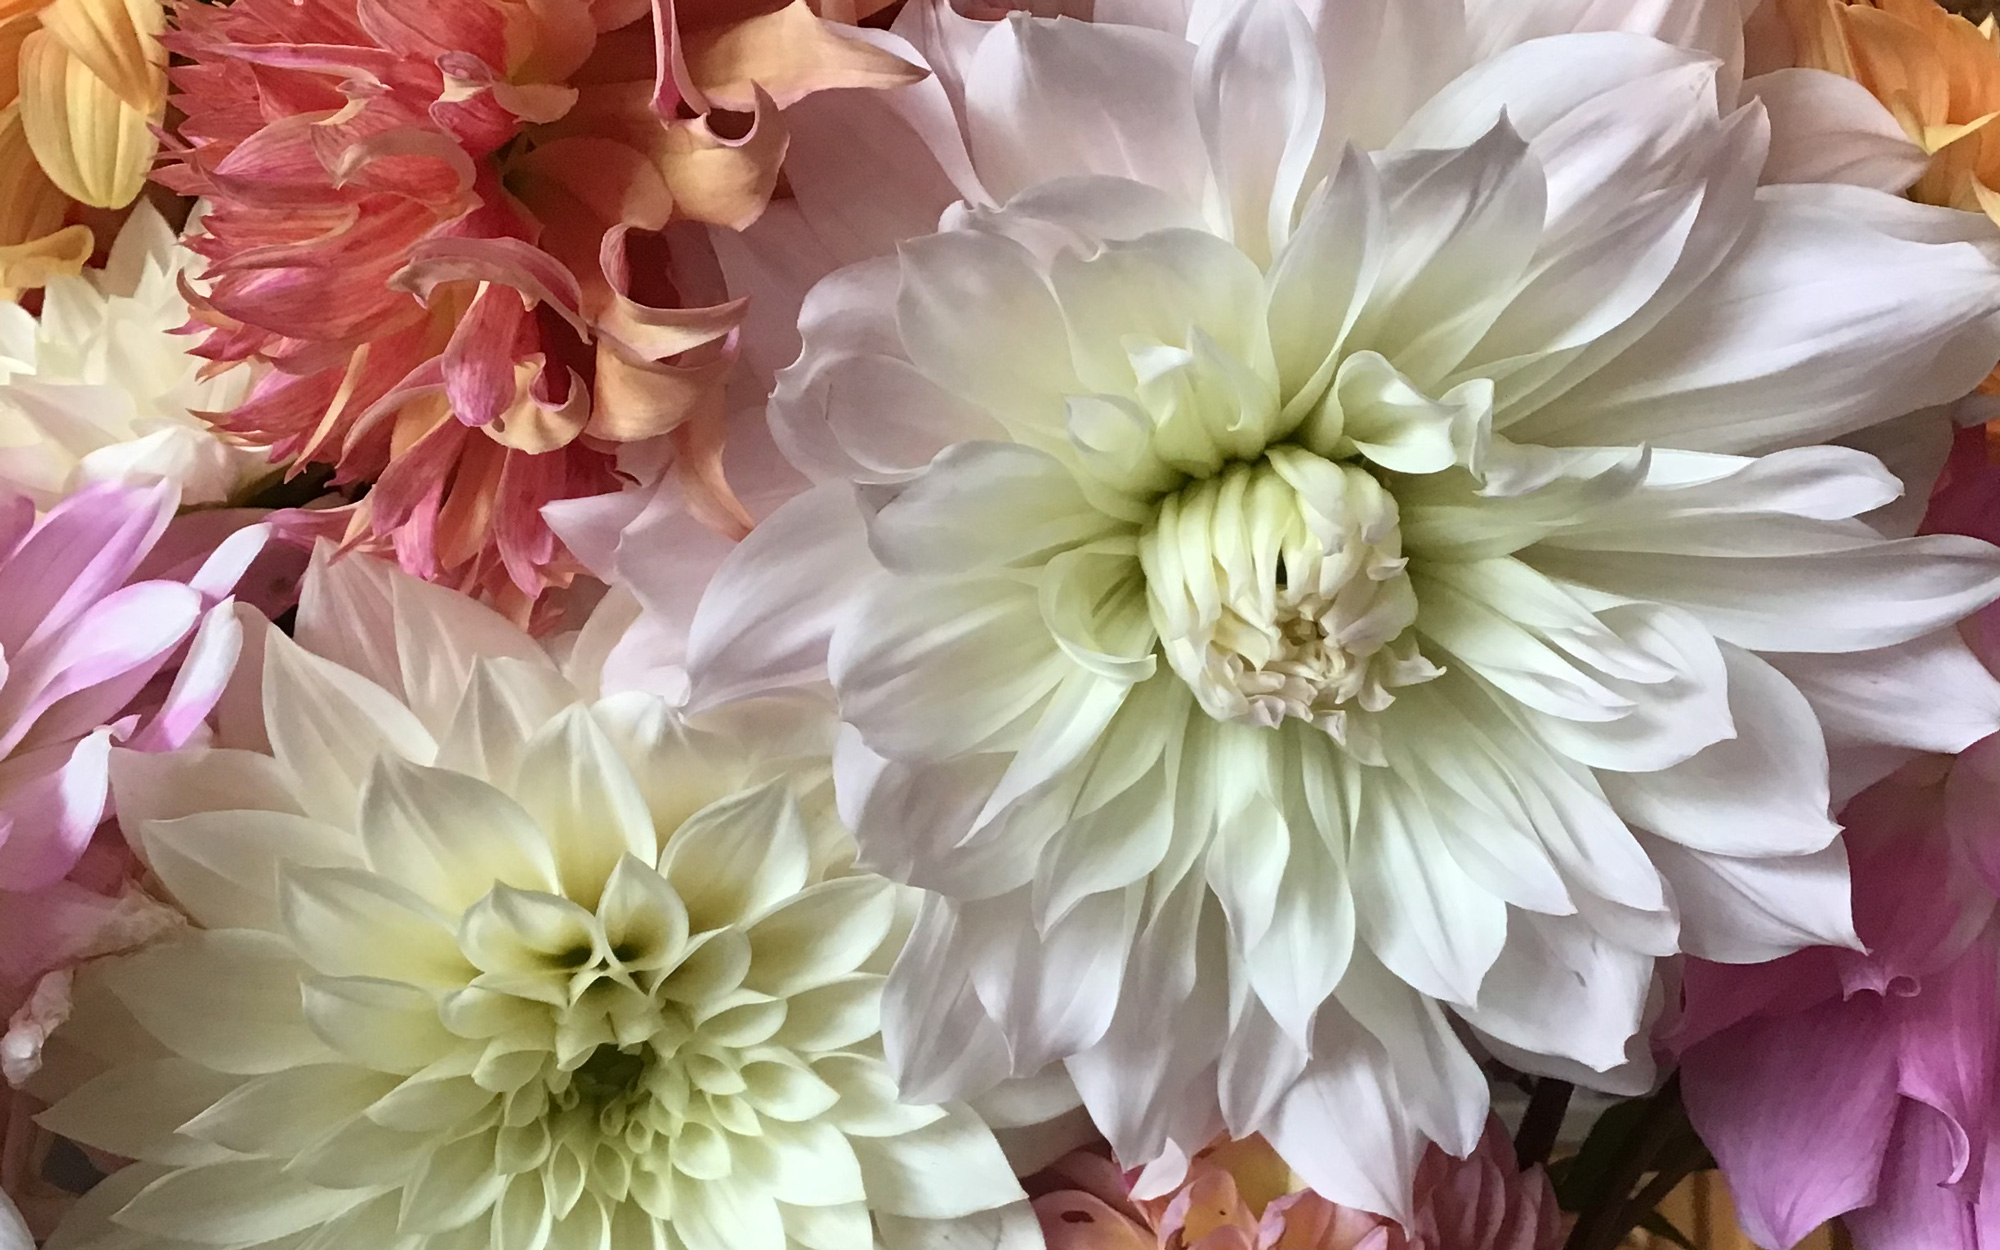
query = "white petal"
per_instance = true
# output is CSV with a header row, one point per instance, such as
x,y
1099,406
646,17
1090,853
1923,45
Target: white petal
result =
x,y
1814,328
1826,128
1323,278
448,837
1853,594
1044,99
228,1000
1443,1091
947,1169
981,505
755,630
1930,694
222,866
583,799
1343,1125
929,669
1740,911
1052,993
1260,100
1415,908
739,857
1762,792
135,1110
240,1202
936,1035
328,725
1560,988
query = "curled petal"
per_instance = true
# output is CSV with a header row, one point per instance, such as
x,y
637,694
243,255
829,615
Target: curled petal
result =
x,y
725,181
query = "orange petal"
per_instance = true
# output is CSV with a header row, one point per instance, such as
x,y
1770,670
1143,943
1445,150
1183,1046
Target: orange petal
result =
x,y
725,182
791,54
120,41
617,184
13,32
88,140
30,205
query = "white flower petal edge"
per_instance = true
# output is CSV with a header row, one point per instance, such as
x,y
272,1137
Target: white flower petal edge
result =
x,y
1320,559
487,960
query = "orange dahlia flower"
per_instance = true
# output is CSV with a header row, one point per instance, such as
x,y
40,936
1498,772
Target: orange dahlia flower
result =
x,y
466,235
81,87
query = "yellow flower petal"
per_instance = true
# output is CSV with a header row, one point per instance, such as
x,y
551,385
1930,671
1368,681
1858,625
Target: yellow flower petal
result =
x,y
90,142
789,53
120,41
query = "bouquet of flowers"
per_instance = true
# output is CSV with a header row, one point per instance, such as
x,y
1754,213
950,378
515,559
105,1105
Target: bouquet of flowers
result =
x,y
998,624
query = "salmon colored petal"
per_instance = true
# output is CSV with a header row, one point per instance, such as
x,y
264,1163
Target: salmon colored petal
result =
x,y
90,143
120,41
615,182
791,54
725,182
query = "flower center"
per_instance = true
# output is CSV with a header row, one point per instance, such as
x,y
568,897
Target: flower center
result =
x,y
1278,590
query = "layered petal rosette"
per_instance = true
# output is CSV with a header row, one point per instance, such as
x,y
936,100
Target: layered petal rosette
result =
x,y
487,960
100,386
462,236
1337,539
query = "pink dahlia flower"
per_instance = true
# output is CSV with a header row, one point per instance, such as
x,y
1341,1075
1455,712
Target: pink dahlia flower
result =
x,y
466,235
1239,1195
1867,1084
109,635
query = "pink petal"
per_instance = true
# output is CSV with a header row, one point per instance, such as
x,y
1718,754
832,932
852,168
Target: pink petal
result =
x,y
1798,1112
1950,1042
479,360
1916,1211
52,814
67,686
204,674
83,549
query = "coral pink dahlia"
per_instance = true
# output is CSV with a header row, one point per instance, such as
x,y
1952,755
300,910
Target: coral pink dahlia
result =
x,y
463,233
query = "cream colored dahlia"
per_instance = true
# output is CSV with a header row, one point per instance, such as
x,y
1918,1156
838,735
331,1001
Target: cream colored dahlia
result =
x,y
486,960
1337,544
101,386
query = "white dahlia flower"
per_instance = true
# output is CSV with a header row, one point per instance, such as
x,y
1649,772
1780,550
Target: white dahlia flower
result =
x,y
486,961
1335,542
101,386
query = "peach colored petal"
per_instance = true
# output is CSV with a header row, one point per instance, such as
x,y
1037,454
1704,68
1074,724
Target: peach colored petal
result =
x,y
791,54
89,141
612,180
13,32
120,41
725,182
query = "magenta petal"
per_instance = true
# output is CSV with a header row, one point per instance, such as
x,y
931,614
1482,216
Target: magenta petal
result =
x,y
1798,1112
1972,808
1950,1041
1915,1209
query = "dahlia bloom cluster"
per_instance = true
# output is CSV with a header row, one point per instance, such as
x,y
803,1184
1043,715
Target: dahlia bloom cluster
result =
x,y
908,624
